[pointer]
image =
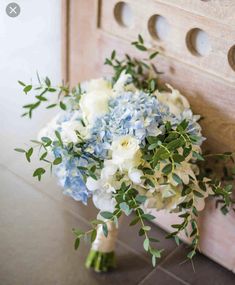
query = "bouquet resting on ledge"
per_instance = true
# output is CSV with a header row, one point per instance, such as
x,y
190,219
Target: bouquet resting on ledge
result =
x,y
133,146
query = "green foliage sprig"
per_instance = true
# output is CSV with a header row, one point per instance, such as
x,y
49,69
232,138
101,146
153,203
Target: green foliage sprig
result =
x,y
143,72
127,201
171,148
42,91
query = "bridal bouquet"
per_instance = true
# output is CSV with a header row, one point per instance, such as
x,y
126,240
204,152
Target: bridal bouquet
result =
x,y
132,146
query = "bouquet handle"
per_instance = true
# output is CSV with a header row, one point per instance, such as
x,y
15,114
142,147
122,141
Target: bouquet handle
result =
x,y
102,253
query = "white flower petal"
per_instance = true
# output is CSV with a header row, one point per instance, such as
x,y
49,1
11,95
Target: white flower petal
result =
x,y
104,201
135,176
92,184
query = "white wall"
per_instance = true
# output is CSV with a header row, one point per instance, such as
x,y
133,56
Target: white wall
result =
x,y
28,43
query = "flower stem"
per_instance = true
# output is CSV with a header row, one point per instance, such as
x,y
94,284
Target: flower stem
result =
x,y
101,261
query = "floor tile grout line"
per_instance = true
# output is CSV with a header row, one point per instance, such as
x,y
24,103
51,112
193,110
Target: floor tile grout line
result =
x,y
166,272
48,196
158,266
173,275
81,218
134,251
85,221
147,276
70,211
169,255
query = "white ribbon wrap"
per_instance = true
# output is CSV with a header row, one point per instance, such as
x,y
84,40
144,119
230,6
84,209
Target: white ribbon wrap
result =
x,y
105,244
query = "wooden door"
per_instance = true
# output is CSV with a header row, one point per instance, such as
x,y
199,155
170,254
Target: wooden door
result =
x,y
197,44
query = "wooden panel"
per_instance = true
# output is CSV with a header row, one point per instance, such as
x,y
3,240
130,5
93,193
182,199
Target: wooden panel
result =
x,y
222,11
221,36
207,81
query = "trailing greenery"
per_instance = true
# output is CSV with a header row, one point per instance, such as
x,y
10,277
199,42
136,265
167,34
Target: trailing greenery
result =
x,y
163,154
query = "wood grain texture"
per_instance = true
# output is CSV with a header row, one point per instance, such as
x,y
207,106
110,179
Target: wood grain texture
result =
x,y
222,37
65,25
222,11
208,81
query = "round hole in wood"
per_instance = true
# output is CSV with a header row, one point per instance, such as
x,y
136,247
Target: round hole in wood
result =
x,y
158,27
123,14
231,57
198,42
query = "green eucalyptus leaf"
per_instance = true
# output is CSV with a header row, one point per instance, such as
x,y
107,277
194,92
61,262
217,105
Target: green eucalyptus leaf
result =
x,y
62,106
19,150
126,209
134,222
47,82
28,154
153,55
39,172
107,215
57,160
167,169
76,243
153,260
105,230
43,156
113,55
140,198
198,156
177,178
178,158
21,83
27,88
140,38
148,217
93,235
78,232
198,194
146,228
146,244
59,138
51,106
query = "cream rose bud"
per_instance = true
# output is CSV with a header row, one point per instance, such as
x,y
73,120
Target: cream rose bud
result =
x,y
94,103
176,102
126,152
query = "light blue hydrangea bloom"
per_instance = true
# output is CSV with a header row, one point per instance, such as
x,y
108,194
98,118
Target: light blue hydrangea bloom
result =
x,y
134,113
70,176
137,114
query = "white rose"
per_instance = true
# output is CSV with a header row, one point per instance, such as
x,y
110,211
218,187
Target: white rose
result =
x,y
184,171
164,197
126,152
104,188
176,102
68,131
94,103
104,201
124,83
98,84
199,202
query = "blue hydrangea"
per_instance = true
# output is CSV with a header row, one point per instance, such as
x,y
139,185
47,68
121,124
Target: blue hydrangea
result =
x,y
137,114
70,176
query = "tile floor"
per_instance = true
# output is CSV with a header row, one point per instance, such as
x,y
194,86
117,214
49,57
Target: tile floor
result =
x,y
36,242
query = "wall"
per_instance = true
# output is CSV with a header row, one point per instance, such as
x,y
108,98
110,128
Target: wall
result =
x,y
28,43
